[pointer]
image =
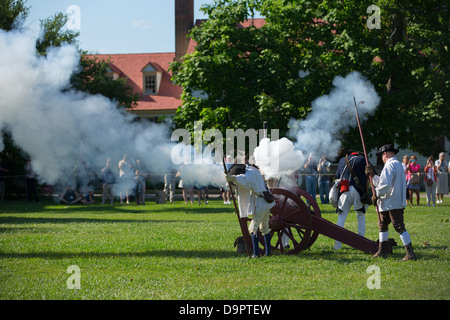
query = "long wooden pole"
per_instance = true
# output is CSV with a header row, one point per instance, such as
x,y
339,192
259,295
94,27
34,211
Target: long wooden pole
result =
x,y
365,155
242,222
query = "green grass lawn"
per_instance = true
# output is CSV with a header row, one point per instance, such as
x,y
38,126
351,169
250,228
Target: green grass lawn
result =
x,y
178,251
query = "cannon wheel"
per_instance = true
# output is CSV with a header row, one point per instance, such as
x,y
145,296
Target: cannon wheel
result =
x,y
291,218
314,210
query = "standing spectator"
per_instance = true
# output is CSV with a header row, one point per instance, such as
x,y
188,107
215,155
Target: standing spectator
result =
x,y
226,190
442,168
311,176
414,180
126,179
324,180
109,179
430,180
144,174
30,181
169,185
188,191
3,171
405,167
201,194
139,182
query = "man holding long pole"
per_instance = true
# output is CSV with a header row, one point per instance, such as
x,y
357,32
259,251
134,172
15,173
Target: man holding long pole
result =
x,y
364,148
390,198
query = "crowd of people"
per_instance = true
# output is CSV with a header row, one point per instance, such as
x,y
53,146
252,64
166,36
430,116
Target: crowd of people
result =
x,y
123,181
128,179
435,178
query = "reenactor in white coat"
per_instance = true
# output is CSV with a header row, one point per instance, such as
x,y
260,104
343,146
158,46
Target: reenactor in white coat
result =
x,y
251,200
390,188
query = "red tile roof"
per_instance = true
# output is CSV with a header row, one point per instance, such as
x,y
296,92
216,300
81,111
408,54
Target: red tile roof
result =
x,y
130,66
168,98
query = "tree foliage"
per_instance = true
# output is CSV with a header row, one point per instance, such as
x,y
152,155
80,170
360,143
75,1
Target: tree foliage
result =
x,y
249,75
13,13
93,78
93,74
54,33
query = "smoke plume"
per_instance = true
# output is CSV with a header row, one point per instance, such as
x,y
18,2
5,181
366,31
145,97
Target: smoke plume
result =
x,y
319,133
57,126
333,114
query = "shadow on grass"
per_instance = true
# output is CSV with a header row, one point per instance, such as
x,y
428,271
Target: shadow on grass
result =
x,y
21,207
190,254
341,256
64,220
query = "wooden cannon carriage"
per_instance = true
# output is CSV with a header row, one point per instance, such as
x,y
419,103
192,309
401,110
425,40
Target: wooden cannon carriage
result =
x,y
292,219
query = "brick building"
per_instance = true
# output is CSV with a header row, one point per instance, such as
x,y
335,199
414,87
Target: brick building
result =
x,y
148,73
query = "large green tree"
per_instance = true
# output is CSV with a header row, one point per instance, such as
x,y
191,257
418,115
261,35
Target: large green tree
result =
x,y
249,74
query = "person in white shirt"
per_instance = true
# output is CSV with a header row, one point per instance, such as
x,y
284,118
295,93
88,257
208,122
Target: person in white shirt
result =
x,y
251,186
390,188
442,168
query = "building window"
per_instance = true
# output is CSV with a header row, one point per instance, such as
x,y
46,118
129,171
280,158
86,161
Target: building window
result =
x,y
151,78
150,84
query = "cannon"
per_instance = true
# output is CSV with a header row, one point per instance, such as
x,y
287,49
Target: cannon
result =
x,y
291,218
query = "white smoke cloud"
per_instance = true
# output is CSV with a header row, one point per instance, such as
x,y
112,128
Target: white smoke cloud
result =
x,y
200,169
277,158
332,114
58,126
319,133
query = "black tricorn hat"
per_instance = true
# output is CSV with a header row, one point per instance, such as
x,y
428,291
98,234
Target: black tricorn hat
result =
x,y
237,169
385,148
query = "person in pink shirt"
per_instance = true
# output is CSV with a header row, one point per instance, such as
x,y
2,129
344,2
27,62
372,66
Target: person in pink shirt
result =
x,y
430,180
413,185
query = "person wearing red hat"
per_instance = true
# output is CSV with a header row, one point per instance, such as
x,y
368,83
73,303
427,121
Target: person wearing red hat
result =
x,y
390,188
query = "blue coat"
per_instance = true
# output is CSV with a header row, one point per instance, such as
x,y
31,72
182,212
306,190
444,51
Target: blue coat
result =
x,y
359,165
